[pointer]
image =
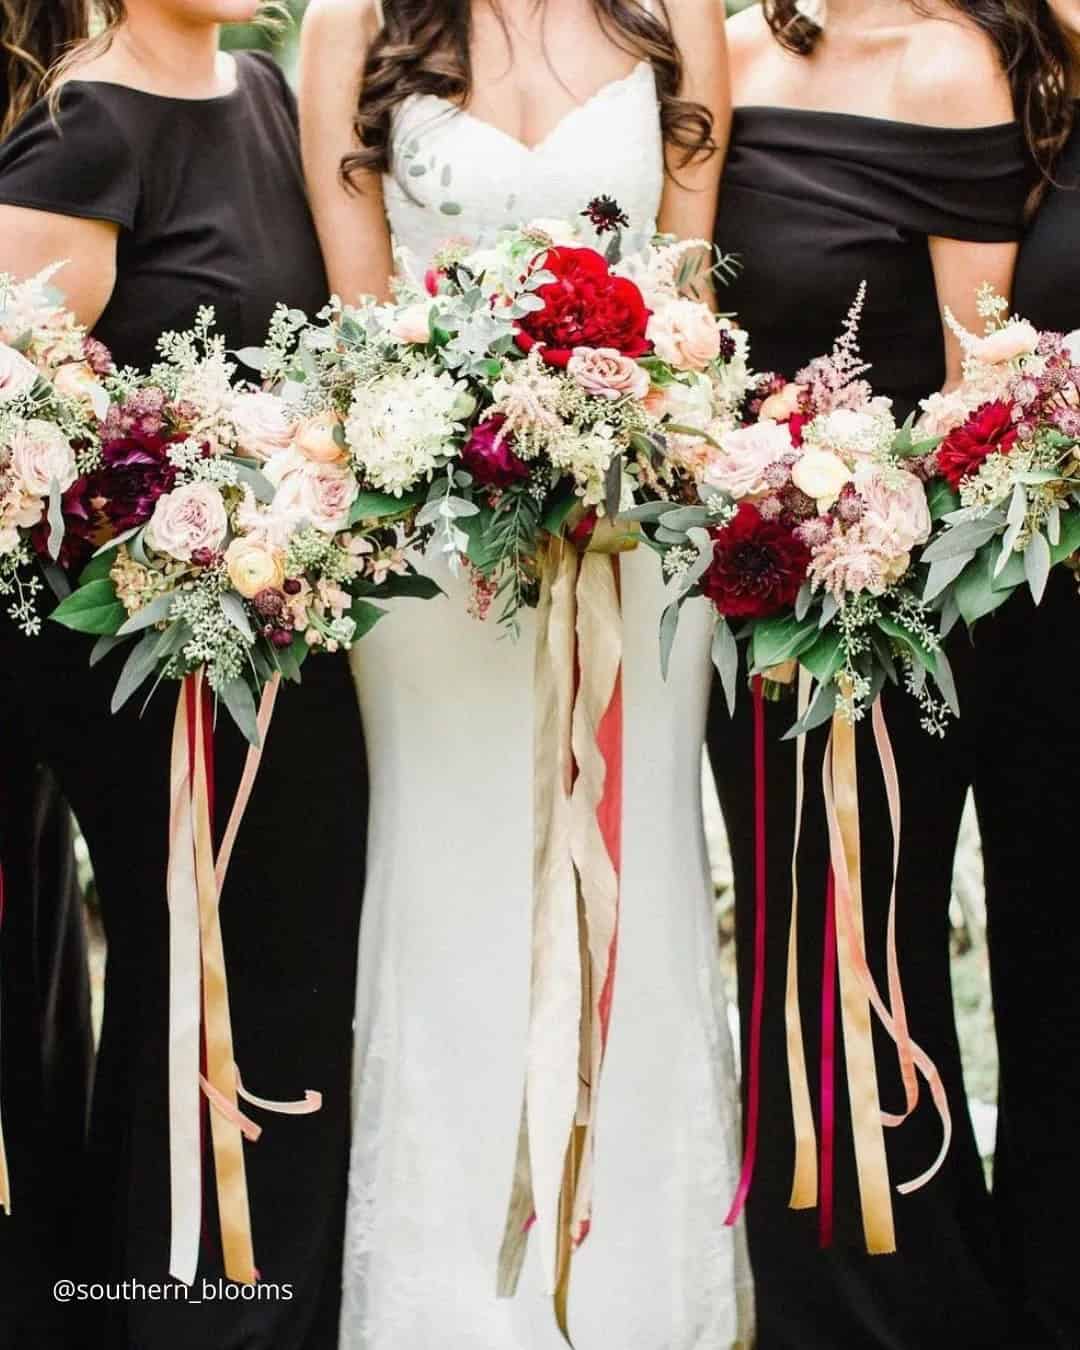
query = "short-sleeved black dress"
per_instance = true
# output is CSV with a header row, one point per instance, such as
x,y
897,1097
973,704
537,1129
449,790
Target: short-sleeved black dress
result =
x,y
1030,733
210,201
814,203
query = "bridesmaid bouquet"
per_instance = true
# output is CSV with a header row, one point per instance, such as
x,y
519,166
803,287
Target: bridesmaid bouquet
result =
x,y
531,389
52,400
806,535
1005,464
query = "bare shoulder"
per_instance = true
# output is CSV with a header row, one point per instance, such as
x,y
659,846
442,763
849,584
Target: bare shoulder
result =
x,y
749,39
333,23
952,75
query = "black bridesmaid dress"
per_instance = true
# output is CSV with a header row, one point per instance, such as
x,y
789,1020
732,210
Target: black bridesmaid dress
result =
x,y
814,203
1030,741
211,205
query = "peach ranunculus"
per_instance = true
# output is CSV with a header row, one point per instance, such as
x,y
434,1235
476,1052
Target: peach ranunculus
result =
x,y
263,426
315,439
321,494
782,405
17,375
189,518
77,381
684,334
1006,344
41,456
739,466
606,373
412,324
254,566
821,475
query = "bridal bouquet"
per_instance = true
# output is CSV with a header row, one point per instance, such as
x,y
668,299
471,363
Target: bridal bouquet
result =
x,y
52,400
524,390
805,535
1006,471
228,533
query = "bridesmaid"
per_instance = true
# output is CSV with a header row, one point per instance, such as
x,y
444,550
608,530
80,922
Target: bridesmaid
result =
x,y
1029,737
882,147
46,1044
170,177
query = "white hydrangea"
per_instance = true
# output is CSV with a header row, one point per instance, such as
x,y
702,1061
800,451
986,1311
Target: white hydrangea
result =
x,y
586,457
401,427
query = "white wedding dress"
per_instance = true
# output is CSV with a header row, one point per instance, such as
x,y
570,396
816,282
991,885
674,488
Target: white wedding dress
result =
x,y
443,995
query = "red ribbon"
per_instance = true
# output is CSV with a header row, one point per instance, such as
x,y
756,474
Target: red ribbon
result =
x,y
828,1066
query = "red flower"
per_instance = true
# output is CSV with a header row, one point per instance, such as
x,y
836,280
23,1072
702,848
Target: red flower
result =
x,y
585,306
990,430
489,455
135,472
757,569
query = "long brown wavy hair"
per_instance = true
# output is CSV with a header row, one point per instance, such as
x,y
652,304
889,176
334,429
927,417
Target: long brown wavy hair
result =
x,y
423,47
34,34
1037,55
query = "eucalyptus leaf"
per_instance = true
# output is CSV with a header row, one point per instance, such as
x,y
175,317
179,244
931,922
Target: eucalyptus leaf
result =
x,y
233,608
261,486
56,520
950,615
781,639
669,623
685,518
945,681
240,705
725,657
964,538
1037,563
829,609
157,611
1017,506
803,601
974,591
820,710
675,538
613,486
103,646
925,657
255,357
1053,526
647,511
56,579
943,574
141,663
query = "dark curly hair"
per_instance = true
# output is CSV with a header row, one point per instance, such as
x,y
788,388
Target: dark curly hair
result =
x,y
33,35
423,47
1038,57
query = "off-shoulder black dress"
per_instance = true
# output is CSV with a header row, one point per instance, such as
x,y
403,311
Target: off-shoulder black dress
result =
x,y
210,202
1030,739
814,203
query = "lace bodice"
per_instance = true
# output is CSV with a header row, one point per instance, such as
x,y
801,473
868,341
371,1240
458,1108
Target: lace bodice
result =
x,y
458,176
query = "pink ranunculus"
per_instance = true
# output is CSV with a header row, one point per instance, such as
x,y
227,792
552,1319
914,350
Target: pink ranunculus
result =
x,y
412,324
684,334
896,517
606,373
1006,344
738,467
189,518
17,375
263,427
321,494
41,456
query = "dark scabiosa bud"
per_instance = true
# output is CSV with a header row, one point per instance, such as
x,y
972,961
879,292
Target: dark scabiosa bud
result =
x,y
203,557
269,603
797,504
727,345
605,215
291,586
282,637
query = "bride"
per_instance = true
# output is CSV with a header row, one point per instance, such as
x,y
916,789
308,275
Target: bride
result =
x,y
452,118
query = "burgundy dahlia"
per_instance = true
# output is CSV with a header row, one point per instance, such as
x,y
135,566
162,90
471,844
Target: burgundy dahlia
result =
x,y
989,430
757,569
134,473
489,455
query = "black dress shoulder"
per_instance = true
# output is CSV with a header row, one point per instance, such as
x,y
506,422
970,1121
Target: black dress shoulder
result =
x,y
1047,289
208,194
813,203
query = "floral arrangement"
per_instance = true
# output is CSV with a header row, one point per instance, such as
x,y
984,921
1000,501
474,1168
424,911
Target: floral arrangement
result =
x,y
225,526
531,388
805,533
52,400
1004,467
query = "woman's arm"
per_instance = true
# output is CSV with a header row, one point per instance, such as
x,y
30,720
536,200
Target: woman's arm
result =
x,y
959,270
33,240
351,221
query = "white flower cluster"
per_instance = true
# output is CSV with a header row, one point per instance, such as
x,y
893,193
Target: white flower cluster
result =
x,y
401,428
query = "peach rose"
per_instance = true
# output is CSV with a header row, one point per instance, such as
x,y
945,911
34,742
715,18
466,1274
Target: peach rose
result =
x,y
738,467
254,566
1008,343
41,456
17,375
315,439
262,425
606,373
412,324
783,405
684,334
188,518
821,475
76,381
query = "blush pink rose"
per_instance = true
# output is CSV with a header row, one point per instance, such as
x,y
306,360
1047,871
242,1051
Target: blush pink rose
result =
x,y
321,494
262,425
895,516
605,373
189,518
684,334
41,456
17,375
412,325
738,467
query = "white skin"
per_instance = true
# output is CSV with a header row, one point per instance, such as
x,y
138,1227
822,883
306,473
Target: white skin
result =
x,y
886,59
557,58
164,47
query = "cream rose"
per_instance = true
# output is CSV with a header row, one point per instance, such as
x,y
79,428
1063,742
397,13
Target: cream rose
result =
x,y
412,324
263,426
1072,346
17,375
1008,343
322,494
41,456
782,405
254,566
188,518
684,334
738,467
76,381
606,373
821,475
314,439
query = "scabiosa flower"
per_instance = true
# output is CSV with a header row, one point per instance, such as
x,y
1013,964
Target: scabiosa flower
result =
x,y
777,474
606,215
850,507
489,455
769,508
990,430
728,345
814,532
97,356
797,504
758,566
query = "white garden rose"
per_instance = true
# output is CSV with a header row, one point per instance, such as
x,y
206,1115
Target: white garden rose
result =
x,y
262,424
41,456
821,475
1072,346
17,375
189,518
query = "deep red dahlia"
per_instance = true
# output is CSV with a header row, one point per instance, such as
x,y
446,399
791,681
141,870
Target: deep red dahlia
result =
x,y
989,430
757,569
489,455
585,306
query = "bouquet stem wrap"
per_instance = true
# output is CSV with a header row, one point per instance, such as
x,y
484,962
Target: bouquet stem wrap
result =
x,y
578,828
197,974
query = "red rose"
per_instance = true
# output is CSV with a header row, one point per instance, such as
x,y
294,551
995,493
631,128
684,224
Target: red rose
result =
x,y
988,431
585,306
757,569
489,456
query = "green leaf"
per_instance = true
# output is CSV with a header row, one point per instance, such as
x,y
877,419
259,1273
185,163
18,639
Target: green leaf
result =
x,y
613,486
669,623
141,663
93,608
1037,564
781,639
941,499
260,485
923,654
557,510
382,505
725,657
975,592
240,704
99,566
825,657
290,659
1070,536
157,611
414,585
103,646
365,615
